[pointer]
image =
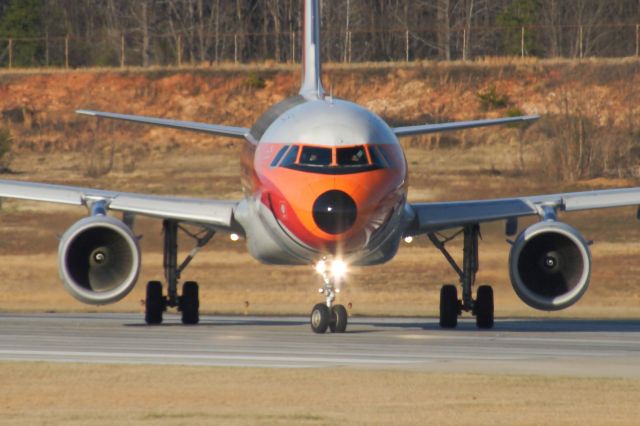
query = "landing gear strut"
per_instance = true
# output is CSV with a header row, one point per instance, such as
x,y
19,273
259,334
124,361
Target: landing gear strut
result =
x,y
327,315
450,306
188,303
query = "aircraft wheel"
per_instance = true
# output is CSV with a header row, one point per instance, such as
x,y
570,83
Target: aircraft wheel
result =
x,y
320,318
449,306
190,303
154,303
339,318
484,307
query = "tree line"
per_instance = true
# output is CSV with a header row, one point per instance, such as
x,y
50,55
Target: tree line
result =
x,y
162,32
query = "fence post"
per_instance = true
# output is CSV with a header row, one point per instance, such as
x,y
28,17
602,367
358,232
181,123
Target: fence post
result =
x,y
637,39
464,43
66,52
350,45
179,50
522,43
580,41
346,45
122,57
235,48
406,44
293,47
46,49
10,53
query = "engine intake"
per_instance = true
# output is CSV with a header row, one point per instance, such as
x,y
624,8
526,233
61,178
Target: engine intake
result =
x,y
550,266
99,260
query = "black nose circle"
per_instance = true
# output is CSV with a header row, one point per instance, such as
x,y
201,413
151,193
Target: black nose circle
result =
x,y
334,212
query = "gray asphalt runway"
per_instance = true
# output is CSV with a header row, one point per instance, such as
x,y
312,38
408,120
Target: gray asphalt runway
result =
x,y
608,348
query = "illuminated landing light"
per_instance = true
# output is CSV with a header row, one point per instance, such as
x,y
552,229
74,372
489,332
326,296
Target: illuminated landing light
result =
x,y
234,237
408,239
338,269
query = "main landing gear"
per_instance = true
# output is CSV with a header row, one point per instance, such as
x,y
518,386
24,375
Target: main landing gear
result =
x,y
327,315
188,303
450,306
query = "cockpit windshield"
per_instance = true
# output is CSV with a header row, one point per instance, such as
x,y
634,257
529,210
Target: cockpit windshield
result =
x,y
316,156
352,156
331,160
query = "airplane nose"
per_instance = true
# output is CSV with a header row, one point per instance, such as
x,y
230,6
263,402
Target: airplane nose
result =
x,y
334,212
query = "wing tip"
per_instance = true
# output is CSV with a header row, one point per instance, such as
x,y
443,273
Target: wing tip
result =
x,y
86,112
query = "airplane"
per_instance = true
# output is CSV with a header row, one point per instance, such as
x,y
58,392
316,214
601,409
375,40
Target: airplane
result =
x,y
324,184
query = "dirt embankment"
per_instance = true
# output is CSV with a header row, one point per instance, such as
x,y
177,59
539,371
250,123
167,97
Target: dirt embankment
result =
x,y
39,107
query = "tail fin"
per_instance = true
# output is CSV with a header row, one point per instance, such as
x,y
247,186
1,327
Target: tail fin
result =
x,y
311,63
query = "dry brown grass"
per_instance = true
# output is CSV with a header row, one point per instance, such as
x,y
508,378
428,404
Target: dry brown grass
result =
x,y
77,394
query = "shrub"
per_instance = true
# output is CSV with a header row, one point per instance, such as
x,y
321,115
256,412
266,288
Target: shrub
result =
x,y
254,81
491,99
6,143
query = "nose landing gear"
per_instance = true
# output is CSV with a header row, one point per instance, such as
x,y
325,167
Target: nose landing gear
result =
x,y
327,315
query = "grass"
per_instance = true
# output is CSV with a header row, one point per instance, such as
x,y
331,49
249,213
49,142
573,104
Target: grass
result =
x,y
44,393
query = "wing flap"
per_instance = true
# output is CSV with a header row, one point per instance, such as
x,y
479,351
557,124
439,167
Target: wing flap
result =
x,y
217,213
213,129
602,199
431,217
435,216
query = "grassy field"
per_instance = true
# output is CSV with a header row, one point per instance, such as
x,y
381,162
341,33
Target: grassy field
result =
x,y
77,394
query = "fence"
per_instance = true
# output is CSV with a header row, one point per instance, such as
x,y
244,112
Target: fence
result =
x,y
357,45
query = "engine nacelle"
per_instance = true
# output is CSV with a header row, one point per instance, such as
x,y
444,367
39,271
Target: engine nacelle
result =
x,y
99,260
550,265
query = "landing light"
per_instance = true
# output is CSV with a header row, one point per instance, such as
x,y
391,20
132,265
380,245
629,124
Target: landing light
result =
x,y
408,239
234,237
338,269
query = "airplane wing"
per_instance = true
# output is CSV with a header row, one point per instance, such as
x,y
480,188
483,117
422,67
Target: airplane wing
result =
x,y
460,125
430,217
214,213
212,129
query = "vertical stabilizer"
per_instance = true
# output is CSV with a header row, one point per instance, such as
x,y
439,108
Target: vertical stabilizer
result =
x,y
311,64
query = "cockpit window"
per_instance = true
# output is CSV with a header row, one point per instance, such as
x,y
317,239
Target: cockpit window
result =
x,y
352,156
333,160
377,157
315,156
279,155
291,157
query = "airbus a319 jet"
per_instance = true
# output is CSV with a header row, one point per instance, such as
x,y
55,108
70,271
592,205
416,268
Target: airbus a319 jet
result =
x,y
325,184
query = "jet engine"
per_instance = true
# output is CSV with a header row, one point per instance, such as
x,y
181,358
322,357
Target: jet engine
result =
x,y
550,265
99,260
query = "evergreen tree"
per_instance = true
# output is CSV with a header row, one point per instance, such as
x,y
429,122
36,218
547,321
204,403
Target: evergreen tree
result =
x,y
512,18
23,19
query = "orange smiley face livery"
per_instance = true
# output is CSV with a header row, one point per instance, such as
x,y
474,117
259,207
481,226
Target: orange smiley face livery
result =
x,y
331,198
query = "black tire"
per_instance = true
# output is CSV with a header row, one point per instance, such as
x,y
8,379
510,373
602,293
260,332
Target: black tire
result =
x,y
339,319
320,318
190,303
449,306
484,307
154,303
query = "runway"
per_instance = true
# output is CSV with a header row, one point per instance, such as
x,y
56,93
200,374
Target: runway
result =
x,y
589,348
